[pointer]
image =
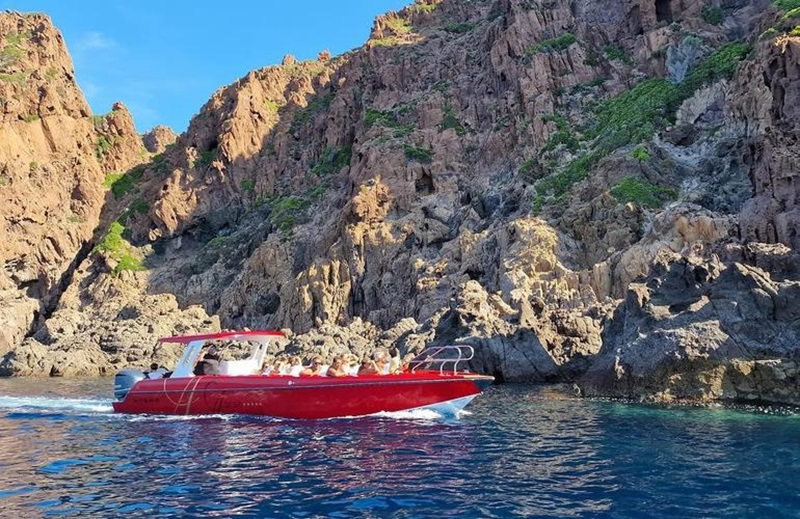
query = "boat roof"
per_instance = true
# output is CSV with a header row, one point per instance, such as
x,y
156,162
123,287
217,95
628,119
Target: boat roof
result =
x,y
231,335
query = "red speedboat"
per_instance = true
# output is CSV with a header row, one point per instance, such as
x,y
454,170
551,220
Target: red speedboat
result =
x,y
432,381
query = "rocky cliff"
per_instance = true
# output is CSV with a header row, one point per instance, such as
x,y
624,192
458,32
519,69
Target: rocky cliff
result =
x,y
524,176
59,172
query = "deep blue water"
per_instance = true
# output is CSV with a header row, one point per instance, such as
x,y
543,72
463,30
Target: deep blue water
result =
x,y
522,452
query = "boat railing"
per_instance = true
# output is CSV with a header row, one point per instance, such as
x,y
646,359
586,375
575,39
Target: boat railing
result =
x,y
445,359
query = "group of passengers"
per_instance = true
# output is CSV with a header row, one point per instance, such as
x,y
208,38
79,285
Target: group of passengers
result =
x,y
348,365
339,366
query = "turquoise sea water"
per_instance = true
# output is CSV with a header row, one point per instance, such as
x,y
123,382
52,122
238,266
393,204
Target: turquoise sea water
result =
x,y
522,451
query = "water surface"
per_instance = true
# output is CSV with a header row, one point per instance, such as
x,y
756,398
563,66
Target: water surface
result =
x,y
522,451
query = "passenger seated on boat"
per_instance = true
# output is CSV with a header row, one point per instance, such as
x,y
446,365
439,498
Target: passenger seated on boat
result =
x,y
295,366
209,364
156,371
314,369
382,363
268,366
352,365
367,368
281,367
336,368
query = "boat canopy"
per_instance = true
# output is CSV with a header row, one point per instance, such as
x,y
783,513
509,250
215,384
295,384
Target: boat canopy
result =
x,y
194,345
230,335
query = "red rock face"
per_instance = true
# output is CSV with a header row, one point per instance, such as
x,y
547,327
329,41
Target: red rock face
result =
x,y
50,169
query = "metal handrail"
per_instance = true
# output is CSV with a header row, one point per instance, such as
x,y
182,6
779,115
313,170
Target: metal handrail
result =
x,y
440,356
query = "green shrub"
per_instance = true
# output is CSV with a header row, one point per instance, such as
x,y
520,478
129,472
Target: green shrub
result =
x,y
441,86
316,105
128,262
15,38
795,31
721,64
769,33
160,164
459,28
204,159
399,26
790,14
529,170
614,53
123,183
450,121
112,242
316,192
247,185
387,41
552,45
560,184
423,155
139,206
713,14
102,147
786,5
635,115
116,247
404,131
285,211
421,8
9,55
217,242
563,135
374,117
332,161
631,189
18,78
640,153
272,106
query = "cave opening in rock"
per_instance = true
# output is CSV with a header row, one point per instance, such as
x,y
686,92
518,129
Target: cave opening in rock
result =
x,y
663,10
424,184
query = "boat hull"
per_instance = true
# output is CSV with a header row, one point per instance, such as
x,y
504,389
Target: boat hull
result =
x,y
302,397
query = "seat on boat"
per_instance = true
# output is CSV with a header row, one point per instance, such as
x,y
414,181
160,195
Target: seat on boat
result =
x,y
239,367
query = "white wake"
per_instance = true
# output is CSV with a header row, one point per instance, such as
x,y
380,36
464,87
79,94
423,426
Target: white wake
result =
x,y
40,403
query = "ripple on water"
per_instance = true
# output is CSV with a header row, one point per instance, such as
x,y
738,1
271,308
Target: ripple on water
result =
x,y
521,452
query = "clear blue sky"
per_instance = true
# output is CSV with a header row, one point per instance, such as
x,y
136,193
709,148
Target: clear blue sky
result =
x,y
165,58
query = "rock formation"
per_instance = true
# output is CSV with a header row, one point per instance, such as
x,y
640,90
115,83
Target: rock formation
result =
x,y
57,162
502,173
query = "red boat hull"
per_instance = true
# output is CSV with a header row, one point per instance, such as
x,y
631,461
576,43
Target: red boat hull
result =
x,y
300,397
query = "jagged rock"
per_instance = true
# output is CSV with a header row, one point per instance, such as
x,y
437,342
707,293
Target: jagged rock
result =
x,y
159,138
53,160
769,88
700,330
103,326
